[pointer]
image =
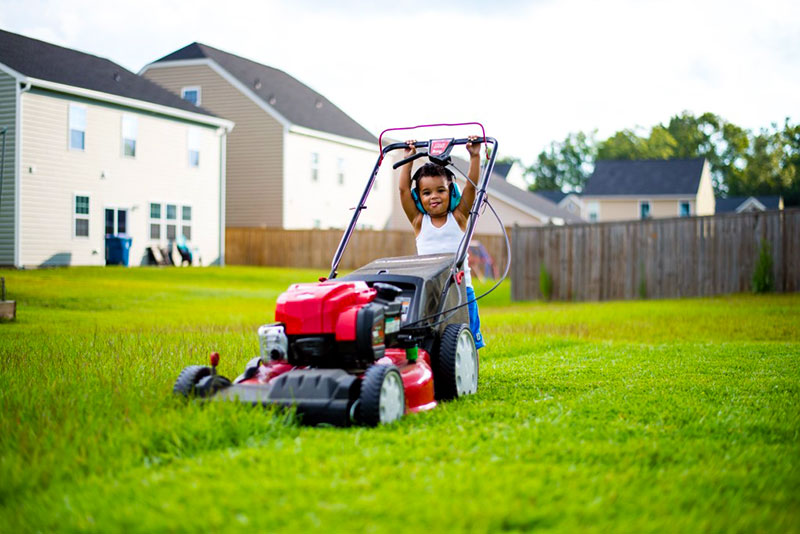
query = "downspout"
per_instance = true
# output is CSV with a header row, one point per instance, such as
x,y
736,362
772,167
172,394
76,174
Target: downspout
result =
x,y
223,140
18,176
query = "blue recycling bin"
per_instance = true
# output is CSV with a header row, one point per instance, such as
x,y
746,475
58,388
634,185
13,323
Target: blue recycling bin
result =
x,y
118,249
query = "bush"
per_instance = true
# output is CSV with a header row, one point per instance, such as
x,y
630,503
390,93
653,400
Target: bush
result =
x,y
642,282
763,279
545,282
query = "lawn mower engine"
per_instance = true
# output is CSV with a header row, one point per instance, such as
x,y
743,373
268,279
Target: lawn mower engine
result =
x,y
333,325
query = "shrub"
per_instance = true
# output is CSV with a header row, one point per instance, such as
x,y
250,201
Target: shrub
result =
x,y
545,282
763,279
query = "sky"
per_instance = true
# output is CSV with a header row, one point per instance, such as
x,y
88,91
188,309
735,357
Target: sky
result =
x,y
530,71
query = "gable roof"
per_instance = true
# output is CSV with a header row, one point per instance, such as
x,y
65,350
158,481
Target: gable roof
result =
x,y
44,61
293,100
554,196
645,177
732,204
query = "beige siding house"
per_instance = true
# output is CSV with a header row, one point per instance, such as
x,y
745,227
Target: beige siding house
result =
x,y
639,189
295,160
94,150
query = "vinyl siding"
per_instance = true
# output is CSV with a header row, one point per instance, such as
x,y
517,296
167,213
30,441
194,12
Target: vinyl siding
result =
x,y
628,209
254,191
706,203
52,174
8,119
326,200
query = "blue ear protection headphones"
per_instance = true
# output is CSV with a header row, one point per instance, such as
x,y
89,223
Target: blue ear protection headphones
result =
x,y
455,192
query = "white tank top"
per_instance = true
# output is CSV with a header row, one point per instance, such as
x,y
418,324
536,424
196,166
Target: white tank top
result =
x,y
444,240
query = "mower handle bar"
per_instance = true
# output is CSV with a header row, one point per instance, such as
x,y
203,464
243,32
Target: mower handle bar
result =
x,y
423,144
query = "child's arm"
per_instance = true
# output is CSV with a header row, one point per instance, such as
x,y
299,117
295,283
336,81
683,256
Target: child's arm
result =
x,y
409,207
468,194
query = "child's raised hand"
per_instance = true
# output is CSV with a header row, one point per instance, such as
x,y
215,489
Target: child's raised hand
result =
x,y
473,148
410,148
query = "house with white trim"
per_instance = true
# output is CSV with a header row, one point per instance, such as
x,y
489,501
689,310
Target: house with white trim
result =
x,y
295,159
621,190
92,149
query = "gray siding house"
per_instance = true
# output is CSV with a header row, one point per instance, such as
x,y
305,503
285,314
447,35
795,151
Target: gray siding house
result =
x,y
93,149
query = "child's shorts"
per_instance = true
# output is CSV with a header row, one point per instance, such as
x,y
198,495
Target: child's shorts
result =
x,y
474,318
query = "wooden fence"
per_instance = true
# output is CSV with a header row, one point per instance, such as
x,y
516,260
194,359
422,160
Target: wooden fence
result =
x,y
661,258
315,248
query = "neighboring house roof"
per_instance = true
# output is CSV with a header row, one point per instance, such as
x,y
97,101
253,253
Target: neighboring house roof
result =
x,y
645,177
501,169
553,196
40,61
527,201
733,204
293,100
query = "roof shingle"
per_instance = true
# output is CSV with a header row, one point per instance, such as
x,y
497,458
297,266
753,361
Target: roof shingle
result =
x,y
45,61
645,177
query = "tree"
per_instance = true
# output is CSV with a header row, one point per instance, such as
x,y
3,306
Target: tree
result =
x,y
567,164
742,163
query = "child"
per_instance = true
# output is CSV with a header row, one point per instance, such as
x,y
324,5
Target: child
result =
x,y
440,230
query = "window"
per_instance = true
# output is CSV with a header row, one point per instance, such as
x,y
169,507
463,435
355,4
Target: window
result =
x,y
186,222
685,209
81,215
116,221
193,142
129,131
314,166
644,209
155,221
340,171
77,127
191,94
166,215
172,223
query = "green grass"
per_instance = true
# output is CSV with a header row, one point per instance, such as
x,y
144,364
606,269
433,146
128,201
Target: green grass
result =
x,y
678,415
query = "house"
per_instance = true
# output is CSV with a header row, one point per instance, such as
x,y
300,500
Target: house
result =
x,y
640,189
514,206
568,201
93,149
748,204
295,160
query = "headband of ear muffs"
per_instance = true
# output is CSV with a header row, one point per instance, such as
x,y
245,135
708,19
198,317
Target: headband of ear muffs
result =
x,y
455,192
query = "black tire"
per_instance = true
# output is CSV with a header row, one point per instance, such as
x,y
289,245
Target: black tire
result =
x,y
456,371
378,380
188,379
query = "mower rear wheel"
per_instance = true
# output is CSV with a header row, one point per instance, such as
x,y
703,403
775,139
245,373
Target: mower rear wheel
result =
x,y
457,366
188,379
382,399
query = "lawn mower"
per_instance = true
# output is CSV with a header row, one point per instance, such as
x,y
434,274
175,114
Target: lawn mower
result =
x,y
390,338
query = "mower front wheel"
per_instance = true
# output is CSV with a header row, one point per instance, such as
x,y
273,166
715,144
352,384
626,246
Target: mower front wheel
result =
x,y
457,366
188,379
382,399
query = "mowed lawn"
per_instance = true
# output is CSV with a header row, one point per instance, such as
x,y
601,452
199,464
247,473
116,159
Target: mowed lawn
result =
x,y
677,415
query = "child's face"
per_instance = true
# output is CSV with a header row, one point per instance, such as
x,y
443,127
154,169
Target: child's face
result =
x,y
434,193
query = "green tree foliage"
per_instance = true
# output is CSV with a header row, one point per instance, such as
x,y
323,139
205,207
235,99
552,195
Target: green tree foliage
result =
x,y
742,163
564,165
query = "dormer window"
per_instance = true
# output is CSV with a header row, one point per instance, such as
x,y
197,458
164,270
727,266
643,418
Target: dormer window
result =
x,y
191,94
